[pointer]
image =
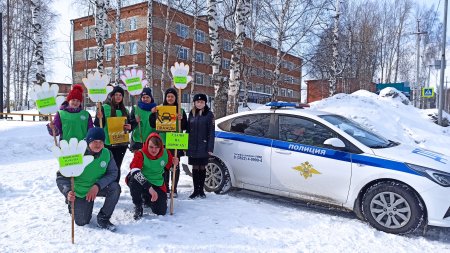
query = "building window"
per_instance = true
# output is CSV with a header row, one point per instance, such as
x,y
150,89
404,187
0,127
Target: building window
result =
x,y
259,88
108,31
86,33
122,26
122,49
133,24
182,31
199,57
87,54
183,53
133,47
227,45
226,64
200,36
199,78
268,89
283,92
108,53
290,93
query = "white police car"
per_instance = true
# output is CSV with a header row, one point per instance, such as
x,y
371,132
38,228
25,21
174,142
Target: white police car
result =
x,y
327,158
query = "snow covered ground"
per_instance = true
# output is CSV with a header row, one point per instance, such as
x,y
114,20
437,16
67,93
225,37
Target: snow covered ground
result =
x,y
34,218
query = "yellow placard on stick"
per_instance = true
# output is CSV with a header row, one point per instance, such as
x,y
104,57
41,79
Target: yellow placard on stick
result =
x,y
167,119
177,141
115,130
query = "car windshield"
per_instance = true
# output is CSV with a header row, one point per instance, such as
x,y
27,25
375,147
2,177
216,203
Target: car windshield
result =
x,y
359,132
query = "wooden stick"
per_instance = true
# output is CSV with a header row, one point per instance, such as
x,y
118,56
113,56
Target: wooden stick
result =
x,y
99,104
73,210
53,130
176,154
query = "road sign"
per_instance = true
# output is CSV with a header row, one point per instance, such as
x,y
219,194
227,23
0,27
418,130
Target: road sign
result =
x,y
428,92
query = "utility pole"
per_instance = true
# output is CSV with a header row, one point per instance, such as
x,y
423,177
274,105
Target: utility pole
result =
x,y
417,86
441,86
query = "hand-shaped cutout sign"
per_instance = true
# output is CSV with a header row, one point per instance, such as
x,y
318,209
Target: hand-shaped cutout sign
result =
x,y
134,80
180,75
46,97
71,158
96,84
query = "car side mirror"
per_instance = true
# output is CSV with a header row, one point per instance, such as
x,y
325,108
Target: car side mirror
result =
x,y
335,142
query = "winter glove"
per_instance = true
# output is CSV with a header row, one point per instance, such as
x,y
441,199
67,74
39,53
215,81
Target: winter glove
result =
x,y
134,80
180,75
139,177
46,98
96,84
71,157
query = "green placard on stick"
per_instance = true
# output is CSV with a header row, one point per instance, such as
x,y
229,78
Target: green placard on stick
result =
x,y
46,102
70,160
97,91
180,79
177,140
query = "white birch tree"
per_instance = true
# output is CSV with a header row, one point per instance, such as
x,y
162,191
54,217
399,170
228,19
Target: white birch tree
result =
x,y
241,16
149,45
117,43
220,86
38,47
101,22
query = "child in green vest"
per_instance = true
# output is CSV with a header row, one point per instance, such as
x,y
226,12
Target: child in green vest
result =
x,y
145,178
71,121
114,107
171,99
97,179
141,113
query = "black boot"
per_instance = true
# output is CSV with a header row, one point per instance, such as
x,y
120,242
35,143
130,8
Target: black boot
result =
x,y
201,183
138,212
195,176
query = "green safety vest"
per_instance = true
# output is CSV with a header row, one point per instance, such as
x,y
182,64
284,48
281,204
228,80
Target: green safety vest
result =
x,y
153,169
91,174
145,125
163,134
74,125
107,110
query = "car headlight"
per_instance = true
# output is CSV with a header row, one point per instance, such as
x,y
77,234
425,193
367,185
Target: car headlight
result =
x,y
439,177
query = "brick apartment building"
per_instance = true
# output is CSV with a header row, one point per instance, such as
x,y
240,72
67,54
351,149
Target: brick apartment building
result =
x,y
133,37
319,89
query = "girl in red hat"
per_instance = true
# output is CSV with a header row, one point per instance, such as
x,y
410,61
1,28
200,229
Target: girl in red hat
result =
x,y
71,121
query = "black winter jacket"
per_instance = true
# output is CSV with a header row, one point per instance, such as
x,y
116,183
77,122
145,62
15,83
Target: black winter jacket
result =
x,y
201,134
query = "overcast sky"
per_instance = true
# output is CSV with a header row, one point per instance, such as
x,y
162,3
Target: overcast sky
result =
x,y
58,67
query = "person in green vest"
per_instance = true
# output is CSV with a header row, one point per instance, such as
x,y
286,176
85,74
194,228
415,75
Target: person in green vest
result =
x,y
141,113
171,98
71,121
114,107
97,179
145,178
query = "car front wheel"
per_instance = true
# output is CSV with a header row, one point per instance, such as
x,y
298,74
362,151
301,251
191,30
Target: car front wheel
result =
x,y
393,207
217,177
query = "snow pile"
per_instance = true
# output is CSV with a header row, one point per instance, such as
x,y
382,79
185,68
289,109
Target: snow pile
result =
x,y
389,116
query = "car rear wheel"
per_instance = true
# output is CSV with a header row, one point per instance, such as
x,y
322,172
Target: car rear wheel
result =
x,y
217,177
393,207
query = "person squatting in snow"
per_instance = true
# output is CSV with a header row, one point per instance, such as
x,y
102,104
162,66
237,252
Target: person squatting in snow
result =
x,y
71,121
145,178
97,179
171,99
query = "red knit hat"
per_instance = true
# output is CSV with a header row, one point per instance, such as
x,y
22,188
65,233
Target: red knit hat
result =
x,y
76,93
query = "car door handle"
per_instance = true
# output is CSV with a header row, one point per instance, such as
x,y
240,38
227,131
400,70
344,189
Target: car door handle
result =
x,y
283,152
228,142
